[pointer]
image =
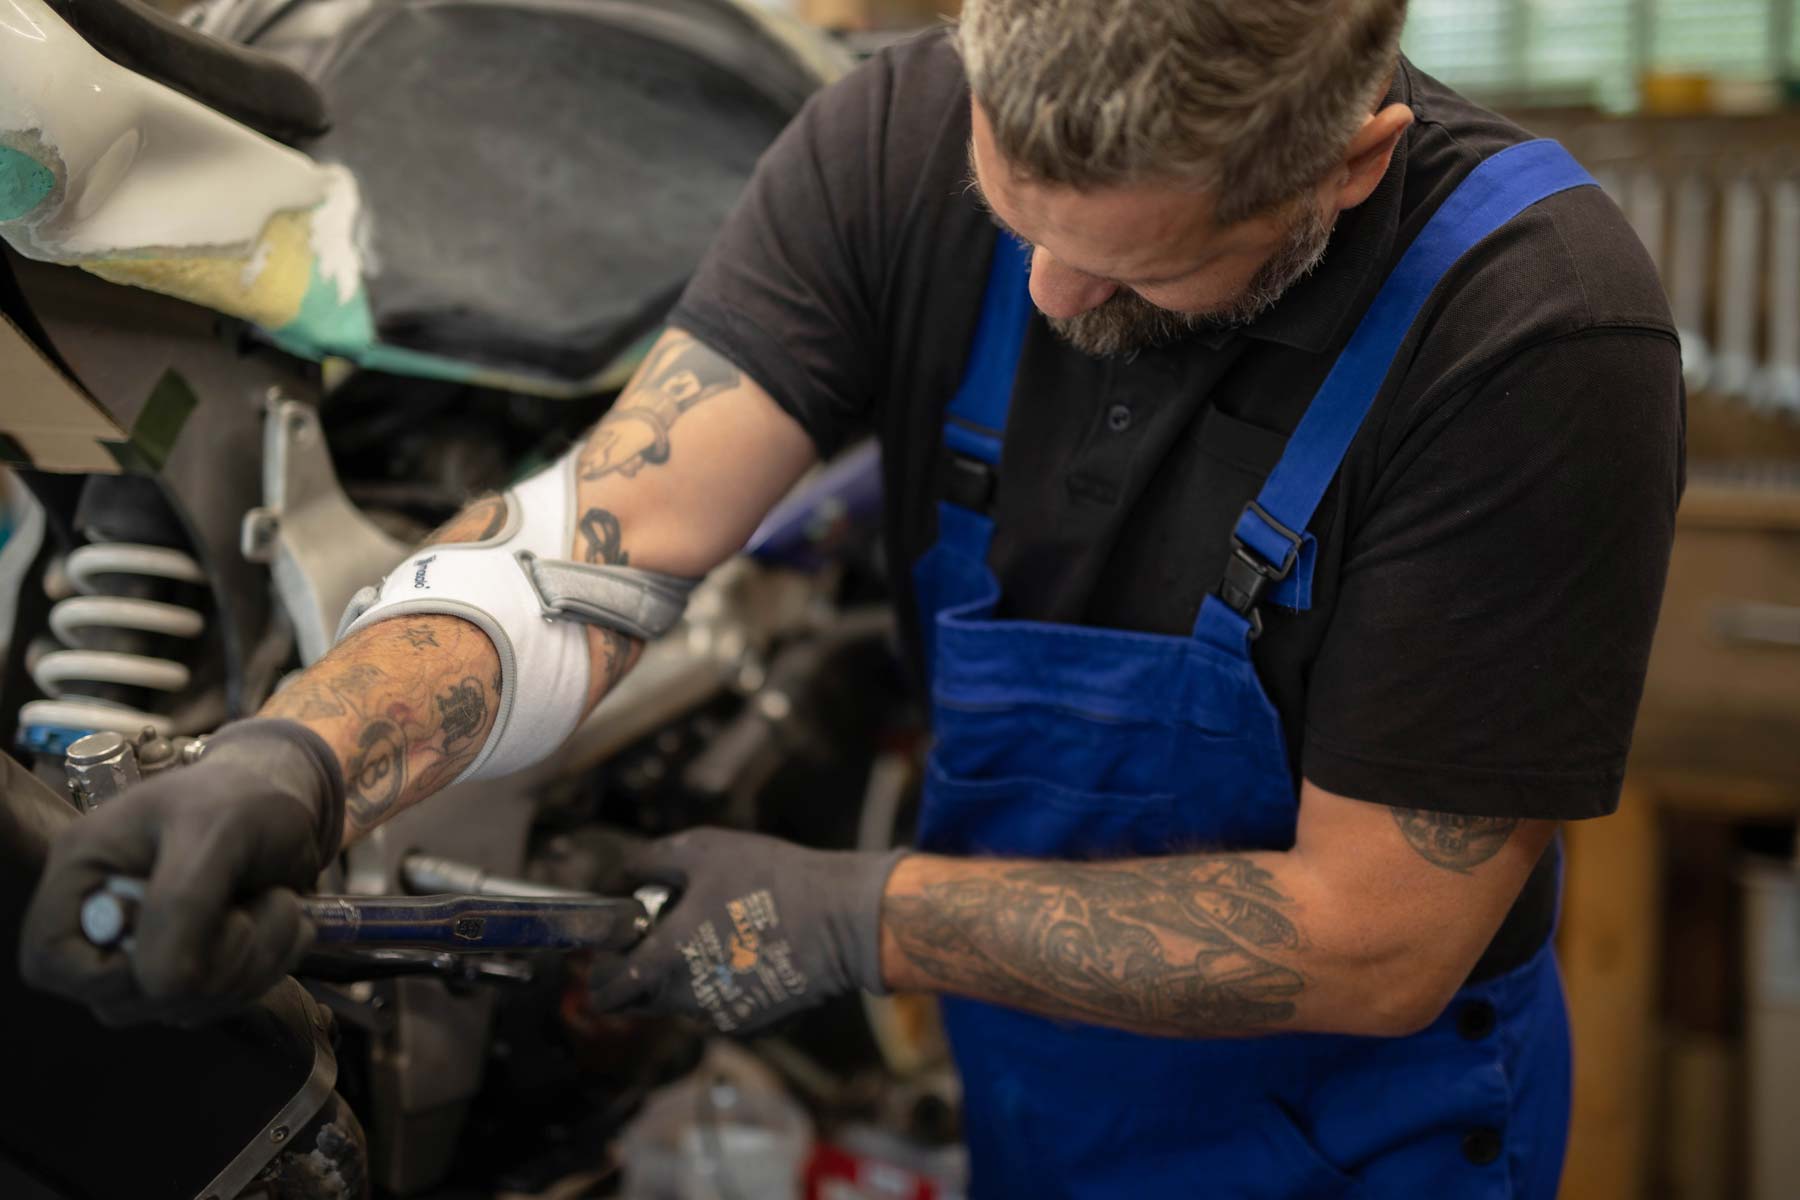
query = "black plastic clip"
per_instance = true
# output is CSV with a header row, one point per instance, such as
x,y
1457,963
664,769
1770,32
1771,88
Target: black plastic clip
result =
x,y
1248,574
970,483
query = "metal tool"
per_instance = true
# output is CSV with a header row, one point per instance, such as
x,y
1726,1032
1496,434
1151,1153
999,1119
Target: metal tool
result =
x,y
101,766
429,874
445,923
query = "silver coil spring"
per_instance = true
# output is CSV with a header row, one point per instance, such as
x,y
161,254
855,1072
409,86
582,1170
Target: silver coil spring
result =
x,y
61,673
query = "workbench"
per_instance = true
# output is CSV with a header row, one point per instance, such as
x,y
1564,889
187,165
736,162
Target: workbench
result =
x,y
1717,742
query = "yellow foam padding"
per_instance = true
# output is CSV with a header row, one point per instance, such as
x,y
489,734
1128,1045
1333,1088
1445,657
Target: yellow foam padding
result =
x,y
217,281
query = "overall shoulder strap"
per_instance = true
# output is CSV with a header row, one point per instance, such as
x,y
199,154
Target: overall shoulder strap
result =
x,y
1269,538
975,419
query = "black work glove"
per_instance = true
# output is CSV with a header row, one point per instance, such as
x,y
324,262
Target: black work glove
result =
x,y
224,845
760,929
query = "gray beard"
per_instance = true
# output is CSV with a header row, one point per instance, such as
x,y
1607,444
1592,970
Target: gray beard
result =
x,y
1127,323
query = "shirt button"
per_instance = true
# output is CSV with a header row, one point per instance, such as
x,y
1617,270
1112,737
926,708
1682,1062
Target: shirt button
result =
x,y
1476,1020
1118,418
1481,1146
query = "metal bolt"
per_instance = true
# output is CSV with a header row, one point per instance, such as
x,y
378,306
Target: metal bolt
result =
x,y
278,1134
99,767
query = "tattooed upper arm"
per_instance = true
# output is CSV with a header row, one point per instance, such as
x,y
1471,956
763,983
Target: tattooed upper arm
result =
x,y
1454,841
680,372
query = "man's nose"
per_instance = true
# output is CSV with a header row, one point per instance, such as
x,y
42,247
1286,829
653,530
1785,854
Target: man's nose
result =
x,y
1061,292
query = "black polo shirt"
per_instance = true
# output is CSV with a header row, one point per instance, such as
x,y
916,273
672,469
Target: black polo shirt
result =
x,y
1491,556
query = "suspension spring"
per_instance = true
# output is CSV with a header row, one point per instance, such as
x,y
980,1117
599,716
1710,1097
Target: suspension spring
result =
x,y
74,673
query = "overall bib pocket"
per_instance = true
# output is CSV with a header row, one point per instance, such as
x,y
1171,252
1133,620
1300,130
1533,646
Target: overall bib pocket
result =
x,y
1028,817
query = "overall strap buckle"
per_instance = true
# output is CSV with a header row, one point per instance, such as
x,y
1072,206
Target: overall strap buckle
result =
x,y
970,483
1248,573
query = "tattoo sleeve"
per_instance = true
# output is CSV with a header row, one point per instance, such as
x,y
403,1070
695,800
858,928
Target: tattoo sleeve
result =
x,y
406,705
1192,946
680,373
1451,840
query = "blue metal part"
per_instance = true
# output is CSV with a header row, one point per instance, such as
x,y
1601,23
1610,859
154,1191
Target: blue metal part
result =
x,y
49,739
841,503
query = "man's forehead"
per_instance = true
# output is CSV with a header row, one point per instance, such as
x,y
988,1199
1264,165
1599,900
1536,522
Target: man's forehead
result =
x,y
1131,231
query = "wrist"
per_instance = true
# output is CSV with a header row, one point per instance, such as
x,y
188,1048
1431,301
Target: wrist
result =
x,y
859,927
908,878
296,756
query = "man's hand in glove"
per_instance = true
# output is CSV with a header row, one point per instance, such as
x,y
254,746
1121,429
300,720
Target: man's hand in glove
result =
x,y
760,929
223,845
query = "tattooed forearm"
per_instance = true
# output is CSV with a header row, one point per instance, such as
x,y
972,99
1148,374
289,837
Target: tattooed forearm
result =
x,y
680,373
376,775
308,700
462,711
405,705
1451,840
1181,946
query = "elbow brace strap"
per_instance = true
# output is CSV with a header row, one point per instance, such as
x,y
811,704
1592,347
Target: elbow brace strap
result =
x,y
518,588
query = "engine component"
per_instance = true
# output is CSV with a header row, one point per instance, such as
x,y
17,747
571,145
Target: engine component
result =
x,y
100,766
268,1070
70,675
319,546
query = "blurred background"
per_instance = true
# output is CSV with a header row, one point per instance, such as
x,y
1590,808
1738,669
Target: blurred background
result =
x,y
1680,929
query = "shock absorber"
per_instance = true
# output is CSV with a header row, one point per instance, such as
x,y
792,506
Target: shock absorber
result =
x,y
101,675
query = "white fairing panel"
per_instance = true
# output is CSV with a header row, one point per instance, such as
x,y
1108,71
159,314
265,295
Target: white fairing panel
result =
x,y
137,165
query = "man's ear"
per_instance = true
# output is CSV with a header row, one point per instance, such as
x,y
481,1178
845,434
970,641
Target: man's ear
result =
x,y
1366,158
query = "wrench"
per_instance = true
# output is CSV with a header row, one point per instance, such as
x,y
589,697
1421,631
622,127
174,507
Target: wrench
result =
x,y
444,922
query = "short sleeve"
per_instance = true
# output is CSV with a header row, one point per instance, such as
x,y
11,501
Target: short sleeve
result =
x,y
1488,650
787,290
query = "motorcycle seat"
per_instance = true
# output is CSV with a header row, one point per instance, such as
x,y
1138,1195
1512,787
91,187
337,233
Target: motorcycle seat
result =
x,y
245,84
541,178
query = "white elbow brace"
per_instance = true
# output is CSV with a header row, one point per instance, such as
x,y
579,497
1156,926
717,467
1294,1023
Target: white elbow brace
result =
x,y
522,591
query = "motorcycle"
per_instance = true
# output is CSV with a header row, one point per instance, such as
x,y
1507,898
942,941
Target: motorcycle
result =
x,y
302,281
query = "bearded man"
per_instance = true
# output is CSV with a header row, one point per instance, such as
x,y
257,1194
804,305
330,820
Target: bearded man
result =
x,y
1283,454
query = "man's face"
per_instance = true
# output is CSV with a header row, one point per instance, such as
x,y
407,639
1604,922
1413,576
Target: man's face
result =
x,y
1121,268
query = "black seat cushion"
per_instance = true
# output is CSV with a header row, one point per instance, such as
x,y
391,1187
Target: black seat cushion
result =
x,y
541,180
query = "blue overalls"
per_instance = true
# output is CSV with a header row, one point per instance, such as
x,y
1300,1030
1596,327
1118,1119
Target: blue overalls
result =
x,y
1062,741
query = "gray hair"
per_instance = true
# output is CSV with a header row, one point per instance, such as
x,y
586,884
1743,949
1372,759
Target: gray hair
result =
x,y
1254,100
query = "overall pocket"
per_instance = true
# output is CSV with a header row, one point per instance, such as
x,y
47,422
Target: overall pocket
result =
x,y
1032,818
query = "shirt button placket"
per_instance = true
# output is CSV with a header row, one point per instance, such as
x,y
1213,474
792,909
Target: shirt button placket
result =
x,y
1118,418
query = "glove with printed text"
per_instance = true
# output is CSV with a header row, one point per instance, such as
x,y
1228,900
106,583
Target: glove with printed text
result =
x,y
760,929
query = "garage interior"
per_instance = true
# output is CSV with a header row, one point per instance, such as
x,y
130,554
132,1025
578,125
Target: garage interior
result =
x,y
274,450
